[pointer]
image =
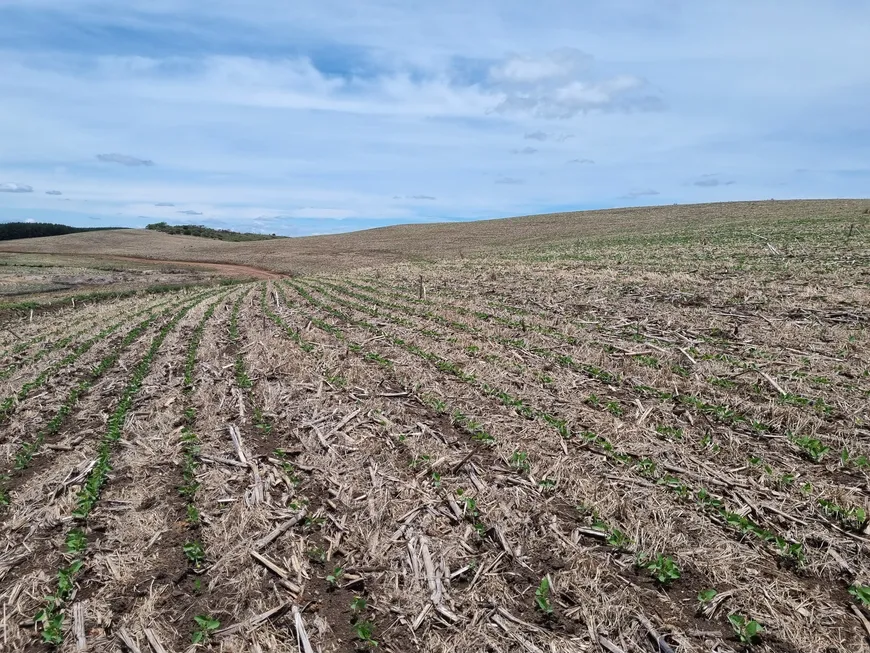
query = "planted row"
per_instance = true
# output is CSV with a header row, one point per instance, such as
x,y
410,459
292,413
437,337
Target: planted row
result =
x,y
51,617
640,465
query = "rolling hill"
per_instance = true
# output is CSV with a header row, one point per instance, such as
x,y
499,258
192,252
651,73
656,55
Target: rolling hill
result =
x,y
422,242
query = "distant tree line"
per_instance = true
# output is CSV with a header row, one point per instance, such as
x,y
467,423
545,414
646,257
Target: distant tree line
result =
x,y
208,232
16,230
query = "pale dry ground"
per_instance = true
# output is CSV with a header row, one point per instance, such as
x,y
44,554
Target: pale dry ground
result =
x,y
370,454
638,439
39,512
58,281
432,242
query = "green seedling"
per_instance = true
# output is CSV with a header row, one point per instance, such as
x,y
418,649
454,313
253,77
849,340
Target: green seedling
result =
x,y
358,604
365,631
195,553
76,542
66,579
335,576
746,630
812,448
520,461
705,596
52,625
614,408
547,485
316,554
193,516
663,569
205,627
670,431
420,461
617,539
861,593
542,596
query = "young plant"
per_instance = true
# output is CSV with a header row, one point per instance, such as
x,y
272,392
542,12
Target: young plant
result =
x,y
745,629
617,539
365,631
335,576
51,619
76,542
358,604
316,554
862,593
663,569
520,461
195,553
205,627
705,596
812,448
547,485
542,596
615,409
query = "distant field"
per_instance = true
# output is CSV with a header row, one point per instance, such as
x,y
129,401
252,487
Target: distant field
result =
x,y
46,280
638,431
433,242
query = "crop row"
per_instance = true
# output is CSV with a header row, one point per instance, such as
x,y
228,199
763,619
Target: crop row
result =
x,y
850,517
811,448
661,567
643,466
51,617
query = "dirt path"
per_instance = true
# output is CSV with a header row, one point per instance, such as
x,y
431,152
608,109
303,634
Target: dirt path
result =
x,y
231,269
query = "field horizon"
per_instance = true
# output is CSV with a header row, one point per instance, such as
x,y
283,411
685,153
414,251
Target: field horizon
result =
x,y
613,431
436,241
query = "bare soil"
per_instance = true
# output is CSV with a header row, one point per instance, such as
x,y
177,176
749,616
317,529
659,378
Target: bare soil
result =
x,y
551,448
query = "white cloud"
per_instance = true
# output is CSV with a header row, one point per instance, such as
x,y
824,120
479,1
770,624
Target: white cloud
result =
x,y
634,194
560,64
53,192
524,150
564,83
124,160
30,221
190,212
10,187
544,136
711,181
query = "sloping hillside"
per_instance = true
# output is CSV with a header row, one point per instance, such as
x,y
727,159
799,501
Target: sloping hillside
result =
x,y
434,241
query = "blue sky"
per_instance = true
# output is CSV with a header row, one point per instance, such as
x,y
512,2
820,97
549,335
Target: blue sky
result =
x,y
319,117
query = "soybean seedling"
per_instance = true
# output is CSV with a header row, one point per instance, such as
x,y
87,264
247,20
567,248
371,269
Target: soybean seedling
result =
x,y
663,569
335,576
862,593
76,541
520,461
195,553
542,596
205,627
746,630
365,631
705,596
358,604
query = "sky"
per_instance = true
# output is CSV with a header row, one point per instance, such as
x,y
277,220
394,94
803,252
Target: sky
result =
x,y
302,117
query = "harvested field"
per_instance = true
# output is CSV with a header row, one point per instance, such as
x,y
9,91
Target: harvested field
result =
x,y
655,443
